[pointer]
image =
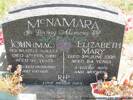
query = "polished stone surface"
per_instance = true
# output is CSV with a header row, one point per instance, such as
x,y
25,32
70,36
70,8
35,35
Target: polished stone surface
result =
x,y
51,92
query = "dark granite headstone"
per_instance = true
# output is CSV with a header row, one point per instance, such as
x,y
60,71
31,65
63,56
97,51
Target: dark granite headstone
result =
x,y
64,49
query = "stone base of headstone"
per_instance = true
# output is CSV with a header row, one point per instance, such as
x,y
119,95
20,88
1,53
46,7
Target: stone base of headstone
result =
x,y
51,92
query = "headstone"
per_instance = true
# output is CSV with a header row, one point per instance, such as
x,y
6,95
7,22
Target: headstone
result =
x,y
64,43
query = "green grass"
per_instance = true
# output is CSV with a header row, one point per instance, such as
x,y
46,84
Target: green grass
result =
x,y
125,5
4,6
